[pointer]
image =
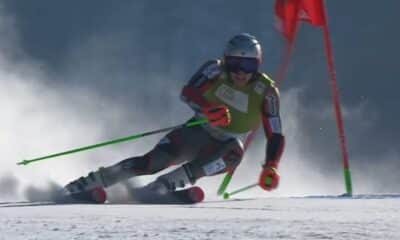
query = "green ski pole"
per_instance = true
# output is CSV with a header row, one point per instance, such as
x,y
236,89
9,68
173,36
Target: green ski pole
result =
x,y
227,195
133,137
225,182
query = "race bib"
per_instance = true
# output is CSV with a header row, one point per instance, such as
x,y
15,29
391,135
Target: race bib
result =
x,y
234,98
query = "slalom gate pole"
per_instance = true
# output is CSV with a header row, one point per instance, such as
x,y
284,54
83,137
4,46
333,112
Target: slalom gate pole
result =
x,y
129,138
283,70
337,107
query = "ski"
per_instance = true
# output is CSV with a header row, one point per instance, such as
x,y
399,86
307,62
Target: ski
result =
x,y
191,195
95,196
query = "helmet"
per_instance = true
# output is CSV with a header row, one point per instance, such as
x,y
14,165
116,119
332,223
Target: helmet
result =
x,y
244,45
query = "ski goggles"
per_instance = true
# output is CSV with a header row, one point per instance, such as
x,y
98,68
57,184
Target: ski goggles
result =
x,y
237,64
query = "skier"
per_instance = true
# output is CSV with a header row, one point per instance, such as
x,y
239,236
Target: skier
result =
x,y
235,97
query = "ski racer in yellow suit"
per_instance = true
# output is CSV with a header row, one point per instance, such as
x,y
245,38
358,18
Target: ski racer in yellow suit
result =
x,y
235,97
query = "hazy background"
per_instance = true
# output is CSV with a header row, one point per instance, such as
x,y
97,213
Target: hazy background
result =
x,y
74,73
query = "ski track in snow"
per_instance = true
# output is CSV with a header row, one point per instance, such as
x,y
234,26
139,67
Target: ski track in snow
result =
x,y
269,218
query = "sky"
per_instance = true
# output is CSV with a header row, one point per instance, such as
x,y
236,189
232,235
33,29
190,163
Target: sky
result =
x,y
74,73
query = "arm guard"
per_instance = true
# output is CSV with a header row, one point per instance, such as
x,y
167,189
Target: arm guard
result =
x,y
272,128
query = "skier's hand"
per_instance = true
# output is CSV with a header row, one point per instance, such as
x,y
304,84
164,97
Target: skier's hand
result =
x,y
217,115
269,178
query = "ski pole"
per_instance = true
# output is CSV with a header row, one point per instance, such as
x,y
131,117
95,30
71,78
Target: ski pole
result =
x,y
228,195
268,181
225,182
119,140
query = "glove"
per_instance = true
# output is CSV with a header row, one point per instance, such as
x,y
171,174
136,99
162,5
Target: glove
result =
x,y
217,115
269,178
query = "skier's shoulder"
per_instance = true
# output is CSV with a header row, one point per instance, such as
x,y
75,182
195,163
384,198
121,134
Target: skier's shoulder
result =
x,y
211,68
265,80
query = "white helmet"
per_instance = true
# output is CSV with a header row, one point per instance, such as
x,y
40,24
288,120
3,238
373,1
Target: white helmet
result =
x,y
244,45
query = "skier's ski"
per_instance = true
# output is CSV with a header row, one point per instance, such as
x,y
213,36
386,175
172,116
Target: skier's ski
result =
x,y
190,195
29,204
95,196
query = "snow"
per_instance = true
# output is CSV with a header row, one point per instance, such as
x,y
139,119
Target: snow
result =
x,y
322,217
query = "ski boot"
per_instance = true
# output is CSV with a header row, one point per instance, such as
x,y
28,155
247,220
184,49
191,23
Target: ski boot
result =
x,y
164,189
89,189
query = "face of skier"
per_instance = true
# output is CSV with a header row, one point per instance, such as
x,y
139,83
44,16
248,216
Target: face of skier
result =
x,y
240,78
241,69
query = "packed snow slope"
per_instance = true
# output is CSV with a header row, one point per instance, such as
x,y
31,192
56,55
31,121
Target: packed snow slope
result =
x,y
268,218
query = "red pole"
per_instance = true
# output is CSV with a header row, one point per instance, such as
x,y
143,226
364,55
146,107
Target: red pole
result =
x,y
337,106
286,59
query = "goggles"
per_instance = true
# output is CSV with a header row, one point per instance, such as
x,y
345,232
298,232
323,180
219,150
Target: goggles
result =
x,y
237,64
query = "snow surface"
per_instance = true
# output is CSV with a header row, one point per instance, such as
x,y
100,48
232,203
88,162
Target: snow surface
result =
x,y
269,218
